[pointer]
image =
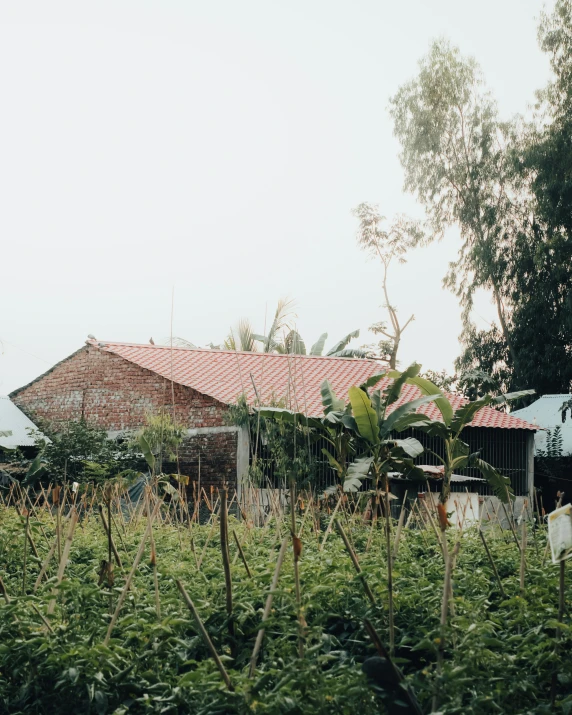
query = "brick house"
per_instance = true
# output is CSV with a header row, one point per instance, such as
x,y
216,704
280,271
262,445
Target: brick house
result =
x,y
116,385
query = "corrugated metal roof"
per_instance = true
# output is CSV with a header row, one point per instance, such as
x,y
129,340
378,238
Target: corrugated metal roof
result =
x,y
545,413
225,375
12,419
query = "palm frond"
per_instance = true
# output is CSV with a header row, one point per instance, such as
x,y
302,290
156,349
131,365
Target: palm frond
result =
x,y
229,341
177,342
318,347
343,343
282,321
246,336
241,337
294,343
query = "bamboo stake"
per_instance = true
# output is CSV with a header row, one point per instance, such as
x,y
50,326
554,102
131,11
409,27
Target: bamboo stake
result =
x,y
29,538
389,570
209,536
296,550
399,529
522,556
44,619
110,537
205,636
3,591
447,592
373,522
127,585
433,525
355,562
24,566
511,526
226,567
561,609
64,559
45,565
495,571
241,552
331,522
267,608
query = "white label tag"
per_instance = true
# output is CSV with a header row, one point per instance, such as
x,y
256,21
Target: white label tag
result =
x,y
560,533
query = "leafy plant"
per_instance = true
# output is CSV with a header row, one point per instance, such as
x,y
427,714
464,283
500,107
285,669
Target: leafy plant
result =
x,y
159,440
75,447
449,429
553,444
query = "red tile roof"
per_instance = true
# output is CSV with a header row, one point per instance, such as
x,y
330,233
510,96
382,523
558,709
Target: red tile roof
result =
x,y
296,379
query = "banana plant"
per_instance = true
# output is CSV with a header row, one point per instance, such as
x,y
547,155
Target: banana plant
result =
x,y
364,426
376,424
456,453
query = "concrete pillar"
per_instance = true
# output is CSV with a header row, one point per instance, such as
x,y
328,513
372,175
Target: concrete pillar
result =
x,y
530,464
242,457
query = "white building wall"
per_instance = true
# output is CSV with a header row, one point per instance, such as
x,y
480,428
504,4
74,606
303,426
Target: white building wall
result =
x,y
545,413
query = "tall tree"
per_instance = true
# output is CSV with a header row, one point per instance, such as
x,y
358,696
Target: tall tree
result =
x,y
453,153
388,246
537,266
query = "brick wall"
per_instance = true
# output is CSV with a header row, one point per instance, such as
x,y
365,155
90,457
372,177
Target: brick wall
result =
x,y
115,394
217,458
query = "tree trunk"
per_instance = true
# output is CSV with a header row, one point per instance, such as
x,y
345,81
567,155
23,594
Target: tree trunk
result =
x,y
502,321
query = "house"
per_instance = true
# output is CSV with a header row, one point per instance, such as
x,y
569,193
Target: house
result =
x,y
546,414
115,385
16,427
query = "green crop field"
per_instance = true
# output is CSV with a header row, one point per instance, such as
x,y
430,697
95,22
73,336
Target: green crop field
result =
x,y
500,652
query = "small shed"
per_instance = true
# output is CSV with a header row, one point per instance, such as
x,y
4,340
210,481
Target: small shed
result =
x,y
15,426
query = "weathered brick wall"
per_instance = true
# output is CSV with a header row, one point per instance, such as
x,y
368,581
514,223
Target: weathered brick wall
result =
x,y
217,458
115,394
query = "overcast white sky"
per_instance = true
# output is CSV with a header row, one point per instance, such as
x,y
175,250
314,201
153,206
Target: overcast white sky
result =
x,y
219,147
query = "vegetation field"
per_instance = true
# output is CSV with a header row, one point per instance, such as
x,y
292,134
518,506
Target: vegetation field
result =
x,y
501,652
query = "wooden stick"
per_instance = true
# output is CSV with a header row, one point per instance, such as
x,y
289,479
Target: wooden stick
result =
x,y
205,636
209,536
389,569
138,557
511,526
155,575
331,522
522,556
3,591
25,564
110,537
296,550
64,559
496,573
411,513
241,552
45,565
433,525
29,538
226,566
267,607
355,562
447,593
399,529
44,619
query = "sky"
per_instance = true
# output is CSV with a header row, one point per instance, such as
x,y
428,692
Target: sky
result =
x,y
197,161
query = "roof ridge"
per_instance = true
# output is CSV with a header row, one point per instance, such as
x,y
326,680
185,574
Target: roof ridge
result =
x,y
107,343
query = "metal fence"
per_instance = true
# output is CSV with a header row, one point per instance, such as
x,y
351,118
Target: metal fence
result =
x,y
506,450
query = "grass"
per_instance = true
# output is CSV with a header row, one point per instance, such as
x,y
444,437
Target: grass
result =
x,y
501,654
